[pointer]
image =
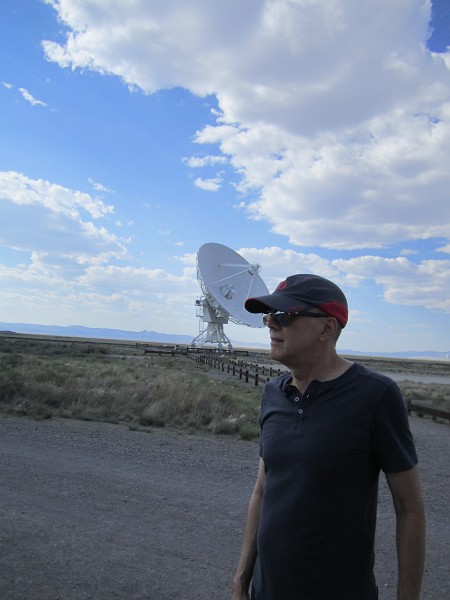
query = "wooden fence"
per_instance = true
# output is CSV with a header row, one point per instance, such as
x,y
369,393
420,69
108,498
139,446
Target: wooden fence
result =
x,y
248,372
188,350
421,410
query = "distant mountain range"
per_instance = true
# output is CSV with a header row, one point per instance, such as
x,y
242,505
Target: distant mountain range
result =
x,y
170,338
94,332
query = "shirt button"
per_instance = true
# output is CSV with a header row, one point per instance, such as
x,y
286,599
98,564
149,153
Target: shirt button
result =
x,y
297,399
300,411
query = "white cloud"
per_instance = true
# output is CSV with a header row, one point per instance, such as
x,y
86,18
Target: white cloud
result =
x,y
210,185
43,217
361,189
98,187
405,283
133,280
204,161
29,98
19,189
283,62
333,111
26,95
99,296
188,259
408,252
277,264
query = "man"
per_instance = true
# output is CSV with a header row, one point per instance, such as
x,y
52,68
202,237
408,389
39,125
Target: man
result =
x,y
327,429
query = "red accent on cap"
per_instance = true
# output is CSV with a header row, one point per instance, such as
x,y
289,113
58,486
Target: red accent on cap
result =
x,y
337,310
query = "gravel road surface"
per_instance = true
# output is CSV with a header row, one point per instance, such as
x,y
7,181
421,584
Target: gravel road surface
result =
x,y
91,510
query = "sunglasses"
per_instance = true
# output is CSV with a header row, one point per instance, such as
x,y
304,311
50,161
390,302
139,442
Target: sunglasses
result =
x,y
283,319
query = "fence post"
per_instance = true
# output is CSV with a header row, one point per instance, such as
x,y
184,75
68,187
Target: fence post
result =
x,y
256,379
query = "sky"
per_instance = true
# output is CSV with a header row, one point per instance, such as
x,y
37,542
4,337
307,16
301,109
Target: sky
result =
x,y
308,136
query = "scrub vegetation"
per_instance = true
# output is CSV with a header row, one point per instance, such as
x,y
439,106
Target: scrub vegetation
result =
x,y
116,382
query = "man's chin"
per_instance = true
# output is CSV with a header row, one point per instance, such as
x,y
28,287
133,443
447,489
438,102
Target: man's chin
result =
x,y
274,352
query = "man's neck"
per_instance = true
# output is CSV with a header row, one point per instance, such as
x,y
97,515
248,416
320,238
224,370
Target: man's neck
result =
x,y
324,370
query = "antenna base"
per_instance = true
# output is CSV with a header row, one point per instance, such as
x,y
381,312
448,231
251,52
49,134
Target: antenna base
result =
x,y
213,334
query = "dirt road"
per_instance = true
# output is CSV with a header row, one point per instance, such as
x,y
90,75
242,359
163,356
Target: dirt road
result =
x,y
91,510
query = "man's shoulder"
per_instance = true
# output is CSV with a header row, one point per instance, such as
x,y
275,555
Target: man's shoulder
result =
x,y
360,370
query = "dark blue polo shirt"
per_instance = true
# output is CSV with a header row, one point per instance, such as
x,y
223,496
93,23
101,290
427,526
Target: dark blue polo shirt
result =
x,y
323,452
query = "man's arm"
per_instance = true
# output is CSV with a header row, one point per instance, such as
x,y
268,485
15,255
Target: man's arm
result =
x,y
410,532
247,558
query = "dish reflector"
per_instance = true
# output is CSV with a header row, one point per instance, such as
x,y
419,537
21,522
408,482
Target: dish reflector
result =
x,y
227,280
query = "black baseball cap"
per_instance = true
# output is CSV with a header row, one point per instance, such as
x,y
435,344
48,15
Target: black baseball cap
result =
x,y
302,292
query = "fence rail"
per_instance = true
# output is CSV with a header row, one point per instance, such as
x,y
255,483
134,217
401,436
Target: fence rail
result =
x,y
261,374
245,371
420,410
187,350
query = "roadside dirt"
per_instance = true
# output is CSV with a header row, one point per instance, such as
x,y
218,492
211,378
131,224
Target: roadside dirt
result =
x,y
95,511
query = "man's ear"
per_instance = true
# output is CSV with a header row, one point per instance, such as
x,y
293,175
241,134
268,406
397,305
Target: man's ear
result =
x,y
329,328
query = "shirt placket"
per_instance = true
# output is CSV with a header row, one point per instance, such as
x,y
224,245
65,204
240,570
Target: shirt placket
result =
x,y
299,401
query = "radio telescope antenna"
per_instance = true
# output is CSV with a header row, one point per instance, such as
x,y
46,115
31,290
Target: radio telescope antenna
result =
x,y
226,280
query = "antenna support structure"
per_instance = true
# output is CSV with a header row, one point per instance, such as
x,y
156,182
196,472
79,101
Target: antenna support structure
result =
x,y
226,280
214,333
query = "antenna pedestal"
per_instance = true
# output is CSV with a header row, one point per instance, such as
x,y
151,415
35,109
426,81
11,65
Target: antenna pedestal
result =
x,y
214,333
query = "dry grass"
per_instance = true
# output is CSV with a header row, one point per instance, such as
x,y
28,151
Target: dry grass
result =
x,y
112,381
434,396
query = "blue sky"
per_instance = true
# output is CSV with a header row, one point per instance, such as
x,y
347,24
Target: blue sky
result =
x,y
307,136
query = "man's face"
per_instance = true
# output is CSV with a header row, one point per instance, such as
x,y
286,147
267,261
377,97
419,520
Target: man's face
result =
x,y
290,344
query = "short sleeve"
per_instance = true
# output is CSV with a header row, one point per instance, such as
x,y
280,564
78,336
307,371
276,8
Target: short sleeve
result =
x,y
392,438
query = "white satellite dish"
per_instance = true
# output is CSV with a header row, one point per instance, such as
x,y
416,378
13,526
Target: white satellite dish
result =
x,y
226,280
